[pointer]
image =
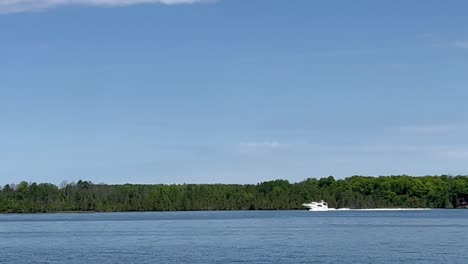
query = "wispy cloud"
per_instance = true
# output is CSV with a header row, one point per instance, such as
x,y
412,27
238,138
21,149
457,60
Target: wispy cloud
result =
x,y
427,35
16,6
265,144
434,40
454,153
431,128
439,151
441,42
461,44
382,148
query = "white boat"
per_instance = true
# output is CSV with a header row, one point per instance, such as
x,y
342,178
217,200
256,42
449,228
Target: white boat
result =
x,y
323,206
317,206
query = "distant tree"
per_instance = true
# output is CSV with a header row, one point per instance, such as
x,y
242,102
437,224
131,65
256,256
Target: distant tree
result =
x,y
356,192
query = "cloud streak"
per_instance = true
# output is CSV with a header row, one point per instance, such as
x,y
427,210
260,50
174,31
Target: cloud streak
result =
x,y
432,129
439,42
265,145
461,44
17,6
455,153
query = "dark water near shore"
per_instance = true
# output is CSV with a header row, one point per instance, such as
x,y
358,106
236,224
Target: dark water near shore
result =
x,y
436,236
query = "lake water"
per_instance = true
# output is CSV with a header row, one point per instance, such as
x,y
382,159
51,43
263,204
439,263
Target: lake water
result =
x,y
436,236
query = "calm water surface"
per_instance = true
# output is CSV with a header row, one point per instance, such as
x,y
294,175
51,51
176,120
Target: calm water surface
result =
x,y
437,236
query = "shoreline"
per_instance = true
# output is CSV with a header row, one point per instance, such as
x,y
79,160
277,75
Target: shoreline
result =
x,y
269,210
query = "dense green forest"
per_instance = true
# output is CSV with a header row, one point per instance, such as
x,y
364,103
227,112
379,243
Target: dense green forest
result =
x,y
353,192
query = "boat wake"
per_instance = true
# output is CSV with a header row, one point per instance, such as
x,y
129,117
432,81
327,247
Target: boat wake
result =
x,y
393,209
372,209
323,207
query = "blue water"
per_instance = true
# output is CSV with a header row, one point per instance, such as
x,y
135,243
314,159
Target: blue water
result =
x,y
436,236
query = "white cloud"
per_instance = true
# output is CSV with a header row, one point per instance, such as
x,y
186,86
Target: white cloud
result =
x,y
432,128
15,6
391,148
461,44
440,42
455,153
427,35
265,144
440,151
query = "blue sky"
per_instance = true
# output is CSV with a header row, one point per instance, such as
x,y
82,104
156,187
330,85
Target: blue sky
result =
x,y
231,91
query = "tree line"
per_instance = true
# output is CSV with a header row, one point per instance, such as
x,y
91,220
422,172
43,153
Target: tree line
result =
x,y
352,192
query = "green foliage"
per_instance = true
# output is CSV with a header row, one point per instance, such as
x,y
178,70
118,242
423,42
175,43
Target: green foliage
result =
x,y
354,192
